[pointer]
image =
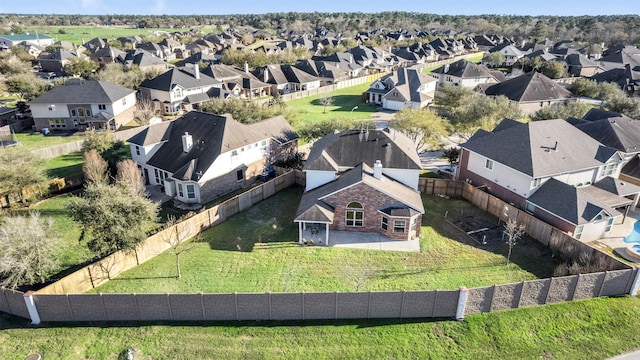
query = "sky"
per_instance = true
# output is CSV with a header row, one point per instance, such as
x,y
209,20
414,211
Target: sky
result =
x,y
217,7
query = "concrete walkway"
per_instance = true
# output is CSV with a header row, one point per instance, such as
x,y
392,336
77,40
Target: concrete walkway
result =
x,y
371,241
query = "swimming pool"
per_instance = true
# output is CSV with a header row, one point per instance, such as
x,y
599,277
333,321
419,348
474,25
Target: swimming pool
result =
x,y
634,237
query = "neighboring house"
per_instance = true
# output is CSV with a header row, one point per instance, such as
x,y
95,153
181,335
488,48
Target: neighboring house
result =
x,y
463,73
580,65
510,52
107,55
145,61
626,78
530,91
404,88
286,78
202,156
325,71
618,57
8,41
84,104
56,61
550,168
242,84
180,88
361,181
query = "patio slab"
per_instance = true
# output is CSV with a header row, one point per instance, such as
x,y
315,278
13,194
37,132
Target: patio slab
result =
x,y
372,241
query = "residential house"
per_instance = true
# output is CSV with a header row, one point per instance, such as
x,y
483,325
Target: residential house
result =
x,y
108,55
200,156
361,181
404,88
84,104
580,65
619,56
463,73
511,53
531,92
240,83
56,61
144,60
626,78
286,78
553,170
180,89
325,71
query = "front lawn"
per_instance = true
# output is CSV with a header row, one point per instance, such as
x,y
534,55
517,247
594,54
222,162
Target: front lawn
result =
x,y
344,100
588,329
257,251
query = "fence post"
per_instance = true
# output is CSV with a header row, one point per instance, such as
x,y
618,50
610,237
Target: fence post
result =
x,y
31,307
462,302
636,283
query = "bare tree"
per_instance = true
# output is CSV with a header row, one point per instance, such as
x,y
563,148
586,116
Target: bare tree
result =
x,y
512,232
95,168
358,274
19,170
145,111
326,100
129,175
29,249
175,238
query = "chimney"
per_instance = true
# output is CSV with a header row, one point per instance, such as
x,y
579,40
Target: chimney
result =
x,y
446,68
196,69
246,67
265,75
187,142
377,170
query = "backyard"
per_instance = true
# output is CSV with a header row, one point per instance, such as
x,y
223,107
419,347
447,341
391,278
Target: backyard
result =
x,y
35,140
256,251
344,100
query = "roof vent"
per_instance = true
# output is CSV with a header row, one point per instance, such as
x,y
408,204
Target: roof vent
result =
x,y
187,142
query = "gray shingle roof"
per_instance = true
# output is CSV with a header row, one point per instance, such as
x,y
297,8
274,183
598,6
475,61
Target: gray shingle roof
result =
x,y
529,148
184,77
572,204
352,147
617,186
152,134
464,69
277,128
83,92
531,86
621,133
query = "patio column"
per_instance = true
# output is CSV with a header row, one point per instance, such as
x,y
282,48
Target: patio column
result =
x,y
300,233
635,201
326,234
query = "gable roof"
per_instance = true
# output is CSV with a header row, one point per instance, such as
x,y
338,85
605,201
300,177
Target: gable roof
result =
x,y
575,205
312,207
153,134
621,133
541,148
532,86
277,128
184,76
78,91
352,147
464,69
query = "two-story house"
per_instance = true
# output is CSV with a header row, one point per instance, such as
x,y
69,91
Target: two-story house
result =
x,y
84,104
172,90
200,156
551,169
404,88
362,181
463,73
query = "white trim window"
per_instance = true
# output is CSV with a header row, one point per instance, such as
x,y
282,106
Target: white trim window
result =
x,y
489,164
191,191
578,232
354,215
384,224
399,226
609,168
180,190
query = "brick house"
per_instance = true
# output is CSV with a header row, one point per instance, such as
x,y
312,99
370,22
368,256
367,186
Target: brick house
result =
x,y
344,193
200,156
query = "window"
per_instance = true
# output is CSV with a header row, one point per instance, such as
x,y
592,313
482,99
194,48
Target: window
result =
x,y
191,191
598,217
124,101
609,225
579,231
355,214
102,107
88,112
489,164
180,190
414,224
137,150
529,207
609,168
240,175
178,92
385,223
155,173
399,226
81,112
73,112
57,123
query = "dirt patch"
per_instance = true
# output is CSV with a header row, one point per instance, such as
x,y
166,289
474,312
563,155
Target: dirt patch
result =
x,y
479,228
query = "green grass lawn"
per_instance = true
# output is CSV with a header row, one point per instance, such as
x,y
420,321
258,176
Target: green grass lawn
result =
x,y
36,140
588,329
257,251
344,100
65,165
76,34
72,251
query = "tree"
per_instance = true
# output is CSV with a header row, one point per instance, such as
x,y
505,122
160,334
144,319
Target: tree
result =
x,y
80,67
482,112
357,273
450,97
423,126
129,175
145,111
512,233
19,169
562,111
553,69
26,85
113,216
29,249
95,168
119,75
495,58
325,100
175,239
451,154
539,31
100,141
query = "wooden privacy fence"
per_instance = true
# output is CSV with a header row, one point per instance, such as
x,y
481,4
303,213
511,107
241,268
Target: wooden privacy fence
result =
x,y
316,305
103,270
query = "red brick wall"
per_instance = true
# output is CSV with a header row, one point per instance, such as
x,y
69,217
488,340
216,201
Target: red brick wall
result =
x,y
371,200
